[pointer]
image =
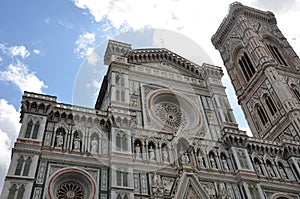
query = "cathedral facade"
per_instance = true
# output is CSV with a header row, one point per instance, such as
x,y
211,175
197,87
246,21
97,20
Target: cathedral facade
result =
x,y
162,126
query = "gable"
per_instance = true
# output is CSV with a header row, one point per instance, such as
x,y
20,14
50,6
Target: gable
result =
x,y
165,59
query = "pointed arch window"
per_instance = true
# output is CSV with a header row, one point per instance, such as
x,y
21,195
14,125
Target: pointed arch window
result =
x,y
27,166
120,80
262,115
28,129
19,165
117,95
246,66
12,192
122,96
270,104
35,130
276,54
295,90
32,129
23,166
122,178
20,192
121,142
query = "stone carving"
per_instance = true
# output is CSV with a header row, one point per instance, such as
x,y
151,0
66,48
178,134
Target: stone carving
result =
x,y
200,160
185,158
76,144
222,191
59,140
243,159
258,168
282,171
165,154
151,153
138,154
270,169
213,163
225,163
94,145
211,191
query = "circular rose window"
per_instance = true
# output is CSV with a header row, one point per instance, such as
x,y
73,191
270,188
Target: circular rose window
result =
x,y
70,190
173,111
71,183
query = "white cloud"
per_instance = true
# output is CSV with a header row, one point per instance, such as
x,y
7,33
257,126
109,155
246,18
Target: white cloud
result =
x,y
92,56
84,44
19,51
36,51
9,130
20,76
94,84
195,19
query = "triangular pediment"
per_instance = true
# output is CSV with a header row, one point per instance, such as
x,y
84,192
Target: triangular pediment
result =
x,y
190,188
165,59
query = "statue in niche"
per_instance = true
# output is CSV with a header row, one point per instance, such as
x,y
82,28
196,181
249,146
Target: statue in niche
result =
x,y
59,140
185,158
211,191
165,154
258,168
138,151
225,163
94,145
77,143
200,160
213,163
282,171
270,170
151,153
243,159
222,192
135,182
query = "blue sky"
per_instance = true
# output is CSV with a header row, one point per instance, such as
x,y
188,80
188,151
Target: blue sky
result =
x,y
56,47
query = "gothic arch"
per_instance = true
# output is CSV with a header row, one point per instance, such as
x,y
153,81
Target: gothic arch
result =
x,y
275,48
67,179
280,196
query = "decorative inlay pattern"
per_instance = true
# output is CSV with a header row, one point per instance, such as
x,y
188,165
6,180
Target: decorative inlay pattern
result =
x,y
171,115
70,190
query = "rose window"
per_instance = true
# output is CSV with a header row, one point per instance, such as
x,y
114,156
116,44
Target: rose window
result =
x,y
70,190
172,111
171,115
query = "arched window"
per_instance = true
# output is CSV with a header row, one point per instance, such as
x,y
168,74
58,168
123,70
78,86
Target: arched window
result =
x,y
122,178
35,130
262,115
118,141
122,96
117,95
19,165
12,192
246,66
119,196
20,192
282,171
28,129
121,142
27,166
270,104
122,81
276,54
124,143
295,90
117,79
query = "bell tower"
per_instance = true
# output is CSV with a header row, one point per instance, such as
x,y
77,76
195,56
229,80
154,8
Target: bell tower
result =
x,y
264,71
